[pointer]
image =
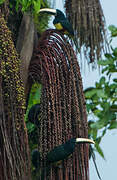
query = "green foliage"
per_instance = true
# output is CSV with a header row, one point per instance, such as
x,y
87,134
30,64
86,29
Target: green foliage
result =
x,y
32,6
29,5
101,100
2,1
34,98
113,30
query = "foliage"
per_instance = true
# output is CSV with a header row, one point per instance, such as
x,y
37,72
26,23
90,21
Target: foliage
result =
x,y
34,98
102,99
29,5
32,7
2,1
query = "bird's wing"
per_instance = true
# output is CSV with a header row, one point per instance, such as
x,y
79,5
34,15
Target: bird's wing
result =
x,y
56,154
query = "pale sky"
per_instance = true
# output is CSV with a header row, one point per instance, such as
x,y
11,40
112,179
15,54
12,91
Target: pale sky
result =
x,y
108,168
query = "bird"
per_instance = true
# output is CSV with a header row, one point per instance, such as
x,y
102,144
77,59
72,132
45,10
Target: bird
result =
x,y
63,151
33,115
60,21
56,155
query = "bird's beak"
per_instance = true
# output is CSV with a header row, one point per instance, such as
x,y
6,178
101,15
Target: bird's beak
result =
x,y
84,140
48,10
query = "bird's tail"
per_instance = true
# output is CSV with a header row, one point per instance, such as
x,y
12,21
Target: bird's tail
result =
x,y
45,172
92,154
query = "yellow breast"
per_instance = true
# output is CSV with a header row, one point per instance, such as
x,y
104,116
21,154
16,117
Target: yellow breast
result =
x,y
58,26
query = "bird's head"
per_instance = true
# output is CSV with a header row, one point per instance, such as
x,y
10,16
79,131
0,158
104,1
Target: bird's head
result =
x,y
59,14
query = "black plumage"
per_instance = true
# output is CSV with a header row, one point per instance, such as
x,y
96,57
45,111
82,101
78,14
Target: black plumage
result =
x,y
62,23
36,159
33,115
63,151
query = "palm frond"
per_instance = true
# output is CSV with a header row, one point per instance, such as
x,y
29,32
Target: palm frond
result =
x,y
88,21
14,151
62,103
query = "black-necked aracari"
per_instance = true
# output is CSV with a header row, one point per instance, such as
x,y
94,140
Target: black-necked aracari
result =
x,y
63,151
60,21
59,153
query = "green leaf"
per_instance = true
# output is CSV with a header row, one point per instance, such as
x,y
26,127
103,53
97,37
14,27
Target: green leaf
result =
x,y
99,150
98,125
98,139
113,108
34,97
88,89
102,80
88,106
102,62
2,1
101,93
37,5
108,56
94,133
90,93
104,132
113,86
96,111
115,52
105,62
115,80
30,127
113,125
113,30
105,69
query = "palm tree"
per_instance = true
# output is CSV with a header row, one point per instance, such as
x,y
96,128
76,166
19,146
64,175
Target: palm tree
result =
x,y
54,65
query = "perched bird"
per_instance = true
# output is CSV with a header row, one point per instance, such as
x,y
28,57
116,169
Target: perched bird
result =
x,y
62,152
60,21
33,115
58,154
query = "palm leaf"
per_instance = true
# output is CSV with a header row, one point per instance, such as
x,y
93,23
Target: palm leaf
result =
x,y
88,21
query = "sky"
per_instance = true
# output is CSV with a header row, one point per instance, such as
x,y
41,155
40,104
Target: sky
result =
x,y
108,167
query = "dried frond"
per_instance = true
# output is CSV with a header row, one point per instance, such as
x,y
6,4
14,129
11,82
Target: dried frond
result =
x,y
14,153
63,116
88,21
